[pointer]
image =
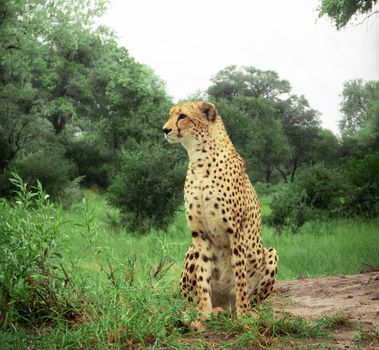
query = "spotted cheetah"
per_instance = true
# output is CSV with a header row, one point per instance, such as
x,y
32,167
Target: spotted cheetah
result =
x,y
226,265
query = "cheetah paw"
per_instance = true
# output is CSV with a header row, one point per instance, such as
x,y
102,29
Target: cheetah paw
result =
x,y
217,311
197,326
244,313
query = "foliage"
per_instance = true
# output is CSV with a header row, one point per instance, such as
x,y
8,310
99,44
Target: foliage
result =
x,y
358,105
91,158
148,188
47,166
362,176
300,124
317,192
71,98
33,283
341,11
326,148
283,127
235,81
353,190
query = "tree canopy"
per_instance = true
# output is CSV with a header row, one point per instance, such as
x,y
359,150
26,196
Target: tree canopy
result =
x,y
341,11
282,125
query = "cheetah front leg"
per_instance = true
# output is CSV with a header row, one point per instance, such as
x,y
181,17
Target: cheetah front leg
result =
x,y
192,276
238,259
188,276
203,270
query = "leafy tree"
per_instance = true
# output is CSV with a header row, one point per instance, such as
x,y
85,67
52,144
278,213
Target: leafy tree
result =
x,y
269,147
300,124
256,133
341,11
43,75
327,148
236,81
359,100
359,124
286,123
137,103
238,125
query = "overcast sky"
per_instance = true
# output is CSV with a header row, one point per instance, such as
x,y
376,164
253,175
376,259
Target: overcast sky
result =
x,y
188,42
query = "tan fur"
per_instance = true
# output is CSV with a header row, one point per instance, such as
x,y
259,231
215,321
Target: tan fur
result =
x,y
226,263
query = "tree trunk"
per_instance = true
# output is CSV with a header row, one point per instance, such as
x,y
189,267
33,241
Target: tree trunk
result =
x,y
283,175
296,165
268,174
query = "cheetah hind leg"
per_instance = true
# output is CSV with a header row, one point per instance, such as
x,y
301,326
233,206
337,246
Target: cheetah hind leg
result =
x,y
268,272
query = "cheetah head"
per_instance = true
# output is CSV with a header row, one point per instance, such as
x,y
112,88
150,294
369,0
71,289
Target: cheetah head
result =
x,y
189,121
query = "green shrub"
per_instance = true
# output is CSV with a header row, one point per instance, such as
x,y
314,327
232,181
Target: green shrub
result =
x,y
323,188
315,193
92,160
289,208
265,189
318,192
72,193
49,167
33,284
149,187
362,197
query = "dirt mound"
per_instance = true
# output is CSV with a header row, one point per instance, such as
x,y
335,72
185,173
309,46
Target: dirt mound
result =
x,y
355,297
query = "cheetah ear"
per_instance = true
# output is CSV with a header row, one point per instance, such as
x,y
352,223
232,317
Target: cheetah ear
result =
x,y
209,110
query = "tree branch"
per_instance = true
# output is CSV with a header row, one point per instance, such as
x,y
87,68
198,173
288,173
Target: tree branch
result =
x,y
367,17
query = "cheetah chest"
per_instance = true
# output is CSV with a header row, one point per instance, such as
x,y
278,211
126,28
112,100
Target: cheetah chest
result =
x,y
204,214
205,207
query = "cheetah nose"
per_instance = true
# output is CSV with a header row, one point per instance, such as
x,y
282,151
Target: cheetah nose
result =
x,y
166,130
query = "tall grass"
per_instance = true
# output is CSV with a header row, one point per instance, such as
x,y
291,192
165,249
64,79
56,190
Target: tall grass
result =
x,y
129,283
322,248
339,246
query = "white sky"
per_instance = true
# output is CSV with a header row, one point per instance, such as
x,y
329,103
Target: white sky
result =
x,y
188,42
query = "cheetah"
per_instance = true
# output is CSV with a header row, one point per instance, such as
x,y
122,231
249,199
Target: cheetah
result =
x,y
226,264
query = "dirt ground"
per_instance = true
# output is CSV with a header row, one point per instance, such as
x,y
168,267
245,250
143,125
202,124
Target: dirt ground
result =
x,y
355,297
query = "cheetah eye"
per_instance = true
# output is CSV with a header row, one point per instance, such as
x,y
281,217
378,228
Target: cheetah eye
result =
x,y
182,116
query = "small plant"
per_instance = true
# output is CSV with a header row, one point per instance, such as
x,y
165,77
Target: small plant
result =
x,y
369,336
33,281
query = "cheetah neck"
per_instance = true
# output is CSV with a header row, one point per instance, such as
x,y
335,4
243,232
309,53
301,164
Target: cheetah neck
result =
x,y
217,141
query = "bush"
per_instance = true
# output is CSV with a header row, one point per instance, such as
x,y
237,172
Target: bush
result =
x,y
323,188
149,187
315,193
289,209
33,284
92,160
265,189
318,191
362,175
49,167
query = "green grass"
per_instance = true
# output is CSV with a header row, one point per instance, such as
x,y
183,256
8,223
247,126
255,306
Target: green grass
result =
x,y
127,285
339,246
